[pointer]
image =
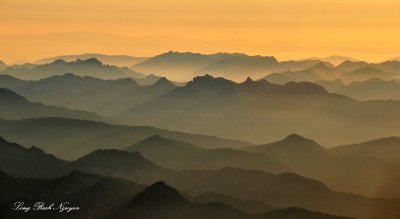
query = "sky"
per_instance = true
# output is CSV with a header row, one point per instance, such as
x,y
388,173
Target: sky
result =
x,y
287,29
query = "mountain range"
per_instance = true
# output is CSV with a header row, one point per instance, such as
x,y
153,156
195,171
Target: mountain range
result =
x,y
345,168
217,106
117,60
374,88
74,138
91,130
236,66
281,191
82,92
89,67
347,72
108,198
334,59
251,109
180,155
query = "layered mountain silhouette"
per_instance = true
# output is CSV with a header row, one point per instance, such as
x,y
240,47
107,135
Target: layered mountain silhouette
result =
x,y
389,67
184,66
90,67
281,191
74,138
251,109
82,93
105,197
347,72
14,106
334,59
384,149
181,155
117,60
26,162
317,72
373,88
351,172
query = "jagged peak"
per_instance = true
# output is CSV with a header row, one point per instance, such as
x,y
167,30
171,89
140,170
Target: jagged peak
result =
x,y
248,80
89,61
210,80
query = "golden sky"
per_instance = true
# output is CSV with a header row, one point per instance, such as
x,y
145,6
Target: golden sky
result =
x,y
287,29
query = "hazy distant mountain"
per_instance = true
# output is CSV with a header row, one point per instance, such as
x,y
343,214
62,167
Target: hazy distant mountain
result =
x,y
387,149
251,109
82,93
90,67
348,72
237,66
2,65
374,88
352,65
362,74
75,138
343,172
317,72
181,155
387,66
118,60
23,66
334,59
243,205
14,106
175,65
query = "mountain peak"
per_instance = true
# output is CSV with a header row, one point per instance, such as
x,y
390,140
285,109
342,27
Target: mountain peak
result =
x,y
294,137
59,61
208,81
159,193
92,61
248,80
322,66
163,81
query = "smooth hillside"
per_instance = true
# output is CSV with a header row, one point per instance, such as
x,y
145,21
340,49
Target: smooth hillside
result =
x,y
14,106
71,139
181,155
